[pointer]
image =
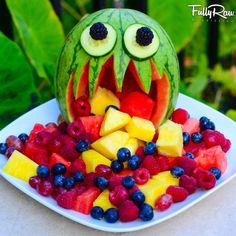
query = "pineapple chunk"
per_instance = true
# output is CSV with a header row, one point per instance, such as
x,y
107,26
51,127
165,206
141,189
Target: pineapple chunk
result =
x,y
92,159
152,191
170,139
103,200
109,145
165,177
101,99
113,120
20,166
141,129
132,145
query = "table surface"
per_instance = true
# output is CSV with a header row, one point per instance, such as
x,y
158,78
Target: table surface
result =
x,y
21,215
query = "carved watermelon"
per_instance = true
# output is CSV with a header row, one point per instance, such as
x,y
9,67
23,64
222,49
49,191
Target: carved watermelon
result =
x,y
118,66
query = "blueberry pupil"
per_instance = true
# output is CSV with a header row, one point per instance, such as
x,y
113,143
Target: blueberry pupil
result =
x,y
144,36
98,31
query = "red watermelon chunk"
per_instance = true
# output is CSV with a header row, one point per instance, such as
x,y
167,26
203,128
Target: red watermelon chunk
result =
x,y
138,104
56,158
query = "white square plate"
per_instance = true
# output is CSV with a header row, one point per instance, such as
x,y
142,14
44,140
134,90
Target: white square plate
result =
x,y
48,112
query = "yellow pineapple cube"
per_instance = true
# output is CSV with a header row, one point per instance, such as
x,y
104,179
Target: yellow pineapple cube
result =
x,y
165,177
109,145
103,200
113,120
92,159
132,144
101,99
170,139
20,166
152,191
141,129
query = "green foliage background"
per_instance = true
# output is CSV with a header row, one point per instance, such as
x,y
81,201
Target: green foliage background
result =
x,y
27,64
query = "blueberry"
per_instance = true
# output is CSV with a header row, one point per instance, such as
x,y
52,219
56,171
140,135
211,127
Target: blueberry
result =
x,y
111,215
203,120
43,171
150,148
79,177
196,137
82,146
58,180
186,138
112,106
97,212
128,181
3,148
138,197
177,171
146,212
23,137
101,183
58,168
216,172
209,125
117,166
123,154
134,162
189,155
69,183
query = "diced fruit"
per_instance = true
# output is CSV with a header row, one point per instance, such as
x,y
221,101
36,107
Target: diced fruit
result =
x,y
192,125
165,177
178,194
92,125
84,202
137,104
103,200
66,200
211,157
56,158
163,202
77,165
92,159
151,164
132,144
109,145
170,139
101,99
141,129
20,166
113,121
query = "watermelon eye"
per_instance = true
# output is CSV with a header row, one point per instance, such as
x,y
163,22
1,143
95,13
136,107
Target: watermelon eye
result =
x,y
98,39
141,41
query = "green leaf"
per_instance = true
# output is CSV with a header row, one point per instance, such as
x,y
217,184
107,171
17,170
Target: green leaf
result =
x,y
40,32
17,89
176,18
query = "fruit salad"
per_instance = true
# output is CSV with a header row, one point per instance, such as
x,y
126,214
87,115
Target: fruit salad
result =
x,y
120,149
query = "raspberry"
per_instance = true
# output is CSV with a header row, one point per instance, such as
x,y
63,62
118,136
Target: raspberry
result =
x,y
180,116
75,128
197,171
86,136
69,152
114,181
128,211
81,107
189,183
206,180
77,165
44,188
42,137
140,152
66,199
89,179
54,145
141,175
63,127
34,181
163,163
226,146
187,164
163,202
118,195
178,194
57,191
151,164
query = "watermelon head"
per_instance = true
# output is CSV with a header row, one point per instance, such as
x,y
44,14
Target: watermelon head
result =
x,y
121,50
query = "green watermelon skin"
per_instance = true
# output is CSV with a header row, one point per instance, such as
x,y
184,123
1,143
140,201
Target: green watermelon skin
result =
x,y
73,58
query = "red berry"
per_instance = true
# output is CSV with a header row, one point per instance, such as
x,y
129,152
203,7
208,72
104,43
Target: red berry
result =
x,y
34,181
15,142
81,107
180,116
163,163
141,175
89,179
133,189
57,191
78,165
43,137
197,171
206,180
118,195
69,152
75,128
140,152
189,183
103,170
187,164
37,128
128,211
54,145
178,194
151,164
62,127
226,146
80,189
87,137
114,181
163,202
45,188
66,200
